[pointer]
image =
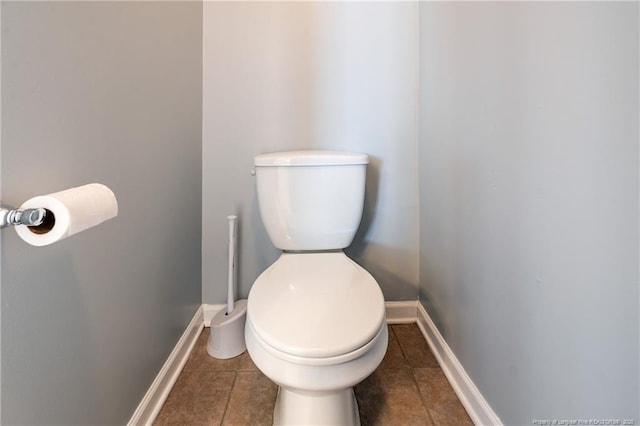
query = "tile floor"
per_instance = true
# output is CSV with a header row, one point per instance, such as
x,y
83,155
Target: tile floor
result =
x,y
408,388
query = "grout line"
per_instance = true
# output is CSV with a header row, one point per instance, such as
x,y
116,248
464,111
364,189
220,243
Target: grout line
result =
x,y
226,406
422,398
404,357
413,378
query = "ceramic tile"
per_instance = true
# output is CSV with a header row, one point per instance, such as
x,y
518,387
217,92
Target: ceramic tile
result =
x,y
440,399
198,398
252,400
391,397
414,347
394,358
408,388
245,363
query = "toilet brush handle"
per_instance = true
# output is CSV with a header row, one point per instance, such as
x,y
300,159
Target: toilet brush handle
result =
x,y
231,273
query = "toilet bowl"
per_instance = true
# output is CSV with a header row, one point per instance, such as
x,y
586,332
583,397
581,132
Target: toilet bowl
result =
x,y
316,322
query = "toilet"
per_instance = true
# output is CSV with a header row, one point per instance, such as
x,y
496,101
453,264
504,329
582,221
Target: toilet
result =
x,y
316,322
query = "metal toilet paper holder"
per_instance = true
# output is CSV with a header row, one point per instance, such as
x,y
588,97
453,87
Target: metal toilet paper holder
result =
x,y
11,217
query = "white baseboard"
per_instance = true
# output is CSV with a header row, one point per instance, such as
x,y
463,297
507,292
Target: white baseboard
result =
x,y
405,312
469,395
155,397
397,312
401,312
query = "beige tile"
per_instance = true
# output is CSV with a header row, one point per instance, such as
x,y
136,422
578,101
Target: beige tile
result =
x,y
391,397
235,392
414,346
245,363
440,399
198,398
252,400
200,360
394,358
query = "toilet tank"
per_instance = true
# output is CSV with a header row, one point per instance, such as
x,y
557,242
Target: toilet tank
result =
x,y
311,200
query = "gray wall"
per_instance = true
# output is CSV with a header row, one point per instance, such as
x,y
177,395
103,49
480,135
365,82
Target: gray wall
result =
x,y
99,92
529,202
0,199
296,75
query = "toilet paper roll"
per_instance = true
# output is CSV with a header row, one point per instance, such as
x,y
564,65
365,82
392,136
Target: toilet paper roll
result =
x,y
69,212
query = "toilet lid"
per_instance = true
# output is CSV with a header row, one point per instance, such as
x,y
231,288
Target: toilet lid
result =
x,y
316,305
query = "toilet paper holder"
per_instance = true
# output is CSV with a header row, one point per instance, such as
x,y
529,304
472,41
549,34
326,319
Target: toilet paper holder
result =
x,y
11,217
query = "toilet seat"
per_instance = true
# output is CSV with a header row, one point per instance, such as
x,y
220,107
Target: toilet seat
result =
x,y
315,308
334,360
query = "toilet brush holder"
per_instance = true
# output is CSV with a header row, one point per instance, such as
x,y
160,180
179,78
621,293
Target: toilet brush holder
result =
x,y
226,339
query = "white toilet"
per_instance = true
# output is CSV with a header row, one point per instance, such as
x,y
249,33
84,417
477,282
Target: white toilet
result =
x,y
315,319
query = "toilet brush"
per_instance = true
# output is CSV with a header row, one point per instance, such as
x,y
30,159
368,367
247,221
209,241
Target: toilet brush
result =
x,y
226,339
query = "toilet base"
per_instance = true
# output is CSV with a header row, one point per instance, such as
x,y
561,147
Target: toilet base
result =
x,y
294,407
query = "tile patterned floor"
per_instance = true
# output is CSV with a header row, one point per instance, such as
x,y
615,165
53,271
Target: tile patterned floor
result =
x,y
408,388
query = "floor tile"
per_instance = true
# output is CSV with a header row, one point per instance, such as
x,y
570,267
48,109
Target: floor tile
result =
x,y
198,398
252,400
440,399
245,363
408,388
391,397
393,359
414,347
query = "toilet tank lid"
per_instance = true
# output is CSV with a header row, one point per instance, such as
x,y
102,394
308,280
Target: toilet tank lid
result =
x,y
310,158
